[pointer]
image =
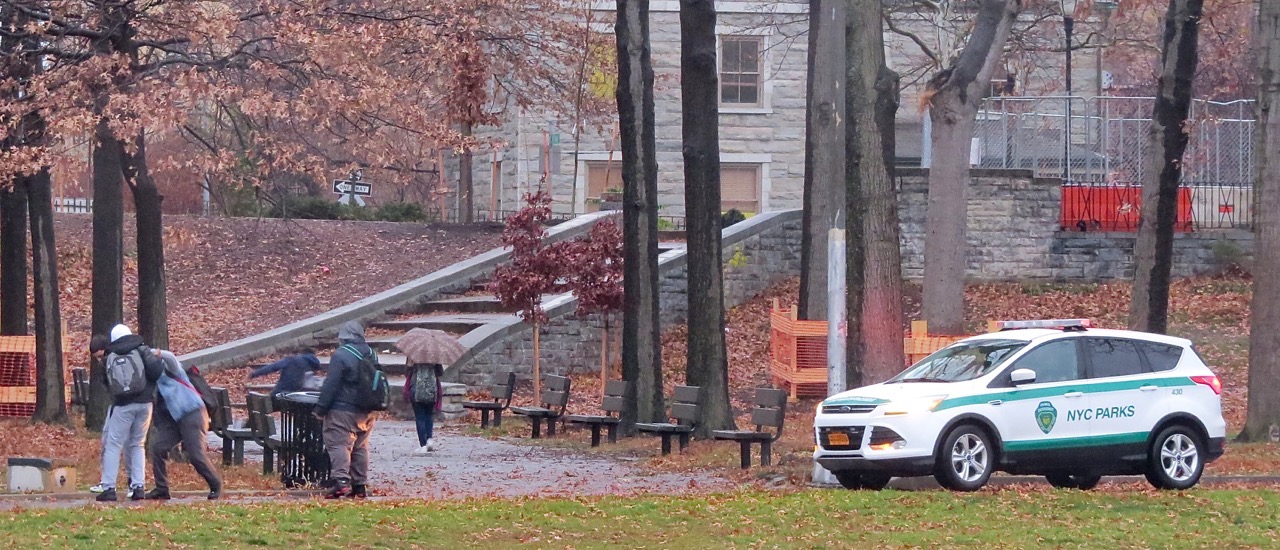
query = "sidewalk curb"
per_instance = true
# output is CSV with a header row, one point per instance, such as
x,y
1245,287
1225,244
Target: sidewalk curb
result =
x,y
926,483
86,495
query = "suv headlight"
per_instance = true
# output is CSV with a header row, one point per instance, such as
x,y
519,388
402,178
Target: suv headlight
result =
x,y
912,406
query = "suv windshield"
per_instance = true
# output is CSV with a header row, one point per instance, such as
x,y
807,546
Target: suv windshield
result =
x,y
960,362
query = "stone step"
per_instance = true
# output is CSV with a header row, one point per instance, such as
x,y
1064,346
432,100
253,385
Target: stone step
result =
x,y
459,323
464,304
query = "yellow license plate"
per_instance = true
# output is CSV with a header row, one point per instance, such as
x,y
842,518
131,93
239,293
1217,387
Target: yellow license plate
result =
x,y
838,438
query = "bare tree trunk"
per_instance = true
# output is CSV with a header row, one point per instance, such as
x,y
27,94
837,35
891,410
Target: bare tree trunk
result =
x,y
13,258
108,257
707,366
955,94
872,103
466,187
1264,322
51,406
824,150
1153,251
153,324
641,343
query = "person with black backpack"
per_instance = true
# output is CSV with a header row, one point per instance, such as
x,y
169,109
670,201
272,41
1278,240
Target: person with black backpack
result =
x,y
181,417
354,388
131,372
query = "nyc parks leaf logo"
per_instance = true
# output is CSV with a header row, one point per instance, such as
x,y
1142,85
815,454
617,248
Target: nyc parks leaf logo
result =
x,y
1046,416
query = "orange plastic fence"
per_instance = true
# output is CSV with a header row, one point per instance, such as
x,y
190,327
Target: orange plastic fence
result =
x,y
798,351
18,376
1113,208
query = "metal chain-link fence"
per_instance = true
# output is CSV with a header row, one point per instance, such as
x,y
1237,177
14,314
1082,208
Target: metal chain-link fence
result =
x,y
1108,156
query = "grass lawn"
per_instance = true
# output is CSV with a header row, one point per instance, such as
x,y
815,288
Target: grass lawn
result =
x,y
1011,518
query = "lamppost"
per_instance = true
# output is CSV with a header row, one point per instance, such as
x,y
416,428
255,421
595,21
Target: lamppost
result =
x,y
1068,25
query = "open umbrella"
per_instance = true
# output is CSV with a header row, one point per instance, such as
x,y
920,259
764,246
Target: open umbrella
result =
x,y
422,345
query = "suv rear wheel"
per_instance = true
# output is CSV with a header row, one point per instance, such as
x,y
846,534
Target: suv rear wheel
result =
x,y
965,460
1175,459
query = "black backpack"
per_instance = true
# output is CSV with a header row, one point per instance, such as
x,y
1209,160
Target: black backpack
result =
x,y
203,388
373,393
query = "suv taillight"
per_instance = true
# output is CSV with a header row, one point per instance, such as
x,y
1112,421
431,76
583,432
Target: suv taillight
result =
x,y
1212,381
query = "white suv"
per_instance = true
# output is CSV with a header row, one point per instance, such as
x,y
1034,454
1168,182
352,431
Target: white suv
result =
x,y
1069,403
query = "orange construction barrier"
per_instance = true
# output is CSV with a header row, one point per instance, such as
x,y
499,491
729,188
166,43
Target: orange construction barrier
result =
x,y
1113,208
18,376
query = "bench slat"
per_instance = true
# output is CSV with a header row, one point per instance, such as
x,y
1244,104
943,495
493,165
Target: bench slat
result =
x,y
684,411
612,404
767,417
687,394
771,398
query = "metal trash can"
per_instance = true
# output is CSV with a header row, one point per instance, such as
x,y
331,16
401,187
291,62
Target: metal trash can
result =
x,y
303,460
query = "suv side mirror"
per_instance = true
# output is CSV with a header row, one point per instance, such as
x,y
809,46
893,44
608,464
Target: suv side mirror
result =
x,y
1022,376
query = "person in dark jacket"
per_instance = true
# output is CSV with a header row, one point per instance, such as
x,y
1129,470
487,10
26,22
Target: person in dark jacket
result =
x,y
346,425
180,417
293,372
129,417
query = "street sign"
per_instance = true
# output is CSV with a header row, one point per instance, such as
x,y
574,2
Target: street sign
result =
x,y
352,189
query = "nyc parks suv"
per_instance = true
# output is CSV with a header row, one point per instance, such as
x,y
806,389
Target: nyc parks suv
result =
x,y
1070,403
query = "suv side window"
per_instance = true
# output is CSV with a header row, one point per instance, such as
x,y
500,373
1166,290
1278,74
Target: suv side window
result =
x,y
1161,357
1113,357
1055,361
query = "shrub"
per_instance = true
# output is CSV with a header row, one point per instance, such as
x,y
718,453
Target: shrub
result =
x,y
731,217
401,212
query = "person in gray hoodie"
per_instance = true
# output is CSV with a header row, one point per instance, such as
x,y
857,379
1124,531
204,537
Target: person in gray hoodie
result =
x,y
180,417
346,424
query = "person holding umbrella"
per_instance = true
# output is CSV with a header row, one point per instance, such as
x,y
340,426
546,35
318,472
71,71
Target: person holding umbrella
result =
x,y
427,351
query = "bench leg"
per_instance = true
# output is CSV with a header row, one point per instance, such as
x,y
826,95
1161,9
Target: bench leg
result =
x,y
226,451
666,444
497,418
766,452
268,460
613,433
238,456
551,427
537,426
595,435
684,441
484,418
746,454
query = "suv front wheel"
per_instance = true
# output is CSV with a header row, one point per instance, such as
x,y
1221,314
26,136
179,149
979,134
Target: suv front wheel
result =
x,y
965,460
1175,459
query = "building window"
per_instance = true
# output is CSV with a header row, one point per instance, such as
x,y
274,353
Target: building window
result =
x,y
602,176
740,71
740,187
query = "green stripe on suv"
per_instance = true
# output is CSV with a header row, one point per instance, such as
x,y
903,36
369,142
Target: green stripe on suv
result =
x,y
1071,442
1084,387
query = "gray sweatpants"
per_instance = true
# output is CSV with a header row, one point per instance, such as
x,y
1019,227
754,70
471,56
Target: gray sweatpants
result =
x,y
126,430
190,432
346,438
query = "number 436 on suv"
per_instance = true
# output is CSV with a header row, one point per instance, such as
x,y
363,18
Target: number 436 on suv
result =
x,y
1051,397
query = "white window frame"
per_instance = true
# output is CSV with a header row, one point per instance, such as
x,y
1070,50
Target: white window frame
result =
x,y
766,81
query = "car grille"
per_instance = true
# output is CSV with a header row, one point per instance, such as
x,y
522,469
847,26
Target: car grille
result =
x,y
848,409
854,433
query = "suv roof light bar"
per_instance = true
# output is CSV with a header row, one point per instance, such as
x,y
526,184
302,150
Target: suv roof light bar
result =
x,y
1064,324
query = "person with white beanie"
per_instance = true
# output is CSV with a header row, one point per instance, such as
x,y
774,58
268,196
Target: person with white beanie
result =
x,y
131,372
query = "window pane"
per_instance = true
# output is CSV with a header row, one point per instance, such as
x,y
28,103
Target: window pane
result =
x,y
732,56
1052,362
750,56
1161,357
749,95
1113,357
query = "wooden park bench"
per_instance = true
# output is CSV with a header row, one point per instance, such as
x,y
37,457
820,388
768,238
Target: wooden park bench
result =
x,y
684,413
769,412
615,394
263,427
80,386
501,392
554,400
223,425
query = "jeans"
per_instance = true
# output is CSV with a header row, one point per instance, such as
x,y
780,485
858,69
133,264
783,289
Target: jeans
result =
x,y
423,414
346,438
126,430
190,432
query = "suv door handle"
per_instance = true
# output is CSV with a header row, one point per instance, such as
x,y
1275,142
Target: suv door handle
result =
x,y
1073,394
995,402
1149,387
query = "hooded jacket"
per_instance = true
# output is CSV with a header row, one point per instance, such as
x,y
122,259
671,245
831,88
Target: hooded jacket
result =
x,y
176,393
293,372
339,390
153,368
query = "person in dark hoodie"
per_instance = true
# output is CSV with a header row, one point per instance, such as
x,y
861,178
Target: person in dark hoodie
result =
x,y
130,414
346,425
293,372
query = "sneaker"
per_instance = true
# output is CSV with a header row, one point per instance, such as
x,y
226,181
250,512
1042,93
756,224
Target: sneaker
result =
x,y
137,493
422,451
430,446
108,495
341,488
158,494
359,491
215,494
97,488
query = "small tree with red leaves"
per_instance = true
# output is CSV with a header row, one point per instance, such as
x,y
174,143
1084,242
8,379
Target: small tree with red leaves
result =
x,y
595,276
535,269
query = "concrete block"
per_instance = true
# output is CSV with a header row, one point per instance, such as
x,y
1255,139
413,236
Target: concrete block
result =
x,y
41,475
